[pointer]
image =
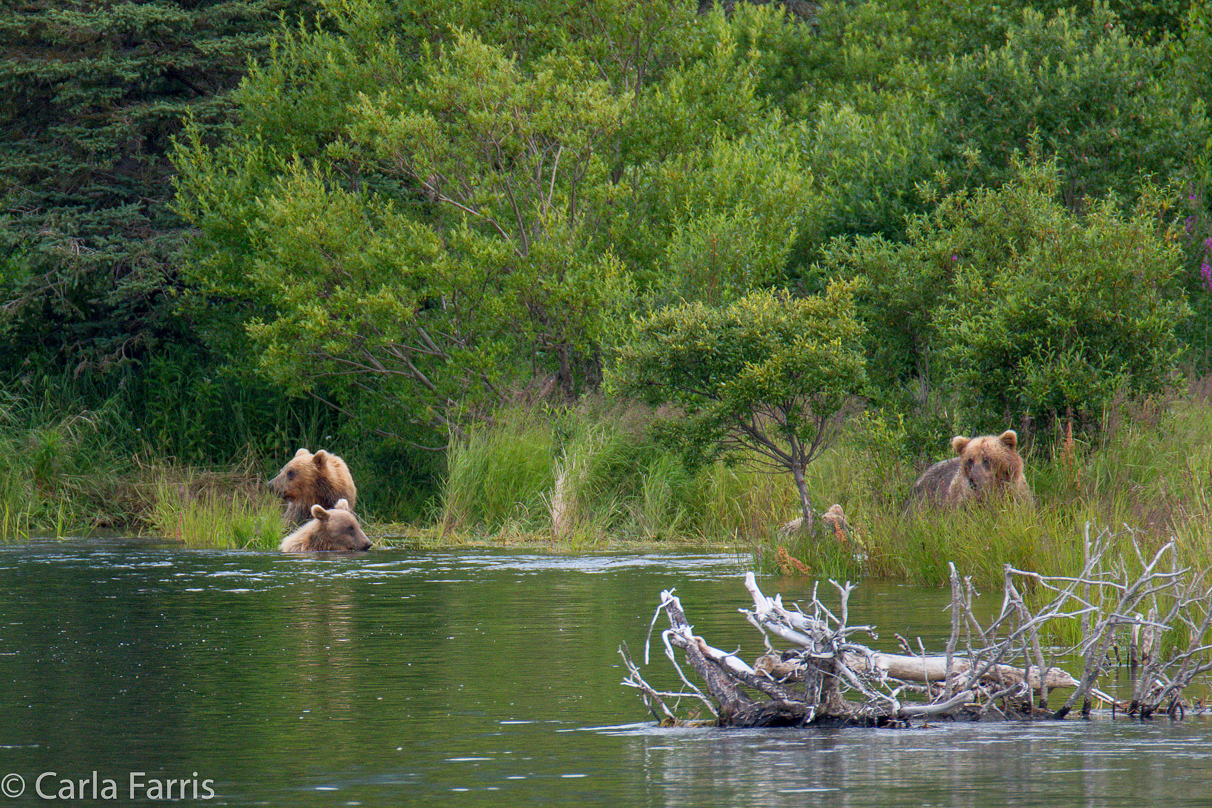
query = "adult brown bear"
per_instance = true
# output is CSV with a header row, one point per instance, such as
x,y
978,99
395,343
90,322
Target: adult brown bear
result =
x,y
984,469
313,479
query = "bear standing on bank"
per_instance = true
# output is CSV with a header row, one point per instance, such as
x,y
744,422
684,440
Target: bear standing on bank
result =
x,y
983,470
330,530
313,479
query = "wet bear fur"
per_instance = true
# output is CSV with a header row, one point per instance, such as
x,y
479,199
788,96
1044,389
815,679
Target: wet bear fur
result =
x,y
313,479
330,530
985,469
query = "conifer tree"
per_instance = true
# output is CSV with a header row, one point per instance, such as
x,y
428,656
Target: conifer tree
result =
x,y
93,95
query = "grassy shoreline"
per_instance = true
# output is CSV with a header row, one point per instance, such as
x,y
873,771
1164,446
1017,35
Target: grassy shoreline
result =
x,y
593,480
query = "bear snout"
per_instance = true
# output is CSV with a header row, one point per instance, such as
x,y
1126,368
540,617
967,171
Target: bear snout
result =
x,y
360,542
278,485
979,476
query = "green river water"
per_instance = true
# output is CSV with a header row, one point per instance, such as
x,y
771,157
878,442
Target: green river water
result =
x,y
133,671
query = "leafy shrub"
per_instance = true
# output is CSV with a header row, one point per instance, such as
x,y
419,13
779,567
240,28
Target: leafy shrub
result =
x,y
720,220
1033,312
1098,99
869,165
765,380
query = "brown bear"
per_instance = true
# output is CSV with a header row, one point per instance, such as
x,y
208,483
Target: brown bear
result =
x,y
313,479
983,470
331,530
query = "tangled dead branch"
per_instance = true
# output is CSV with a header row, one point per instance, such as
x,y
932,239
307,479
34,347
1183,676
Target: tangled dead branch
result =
x,y
997,671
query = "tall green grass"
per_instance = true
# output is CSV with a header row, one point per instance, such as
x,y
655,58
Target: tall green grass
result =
x,y
69,475
497,478
593,475
583,476
212,509
58,476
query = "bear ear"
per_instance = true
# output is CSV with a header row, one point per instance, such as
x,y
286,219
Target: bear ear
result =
x,y
1009,437
319,458
959,443
342,504
318,512
301,452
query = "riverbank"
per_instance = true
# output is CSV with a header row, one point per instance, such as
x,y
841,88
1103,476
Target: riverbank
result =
x,y
593,479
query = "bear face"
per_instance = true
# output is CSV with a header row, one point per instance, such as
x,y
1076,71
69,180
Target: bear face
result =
x,y
985,469
330,530
313,479
988,465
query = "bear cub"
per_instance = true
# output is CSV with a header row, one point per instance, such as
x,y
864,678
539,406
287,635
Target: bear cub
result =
x,y
313,479
984,469
330,530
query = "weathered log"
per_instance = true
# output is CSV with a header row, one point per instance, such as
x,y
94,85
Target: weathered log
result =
x,y
828,678
927,670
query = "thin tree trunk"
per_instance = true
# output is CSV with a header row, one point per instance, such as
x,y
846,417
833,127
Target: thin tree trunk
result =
x,y
805,504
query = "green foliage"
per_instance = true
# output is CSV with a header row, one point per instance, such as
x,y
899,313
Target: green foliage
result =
x,y
1025,311
491,284
216,511
1096,98
713,95
1085,312
718,221
1155,19
1191,52
408,216
88,246
59,471
499,474
91,319
870,167
582,476
765,378
857,53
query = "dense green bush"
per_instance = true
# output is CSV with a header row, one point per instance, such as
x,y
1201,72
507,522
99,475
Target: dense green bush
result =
x,y
870,167
1099,100
718,221
1088,310
1024,312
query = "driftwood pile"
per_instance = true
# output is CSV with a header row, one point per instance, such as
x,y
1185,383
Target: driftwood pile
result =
x,y
1156,620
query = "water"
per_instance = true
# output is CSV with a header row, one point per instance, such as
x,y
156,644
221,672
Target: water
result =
x,y
472,678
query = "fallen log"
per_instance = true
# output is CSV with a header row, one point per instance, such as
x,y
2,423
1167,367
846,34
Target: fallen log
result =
x,y
827,678
920,669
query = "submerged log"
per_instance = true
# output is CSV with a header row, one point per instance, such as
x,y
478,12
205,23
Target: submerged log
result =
x,y
827,678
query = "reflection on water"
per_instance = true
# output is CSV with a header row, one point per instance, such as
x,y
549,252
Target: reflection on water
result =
x,y
403,677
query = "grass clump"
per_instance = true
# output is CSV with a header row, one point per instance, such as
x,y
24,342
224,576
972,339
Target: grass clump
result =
x,y
215,509
583,476
496,478
59,477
